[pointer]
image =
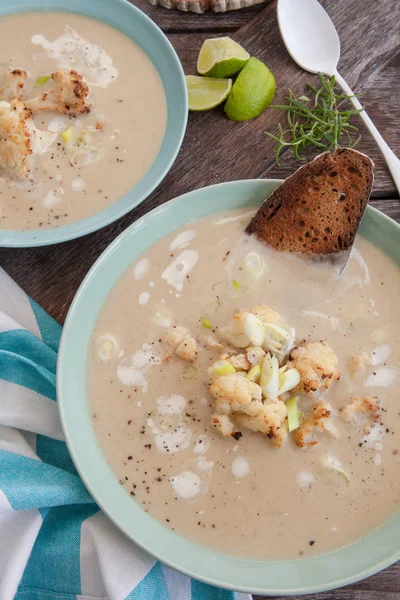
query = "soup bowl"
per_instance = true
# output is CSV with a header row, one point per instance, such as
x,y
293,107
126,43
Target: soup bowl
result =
x,y
132,22
351,563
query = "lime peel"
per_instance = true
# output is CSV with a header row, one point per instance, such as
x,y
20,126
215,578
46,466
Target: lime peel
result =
x,y
205,93
221,57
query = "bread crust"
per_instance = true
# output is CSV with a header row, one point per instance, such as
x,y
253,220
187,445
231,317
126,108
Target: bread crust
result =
x,y
318,209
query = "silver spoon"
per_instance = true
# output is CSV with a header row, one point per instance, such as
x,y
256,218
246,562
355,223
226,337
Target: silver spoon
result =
x,y
312,41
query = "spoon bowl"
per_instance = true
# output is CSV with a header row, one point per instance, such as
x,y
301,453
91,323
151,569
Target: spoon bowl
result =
x,y
309,35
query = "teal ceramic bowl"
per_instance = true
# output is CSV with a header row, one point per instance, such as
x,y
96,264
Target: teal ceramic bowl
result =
x,y
282,577
136,25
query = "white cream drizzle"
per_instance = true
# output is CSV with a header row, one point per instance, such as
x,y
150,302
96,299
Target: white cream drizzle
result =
x,y
240,467
225,220
382,377
171,405
202,444
52,198
182,240
380,354
141,268
77,184
143,299
58,124
175,273
186,485
304,478
376,434
71,51
132,370
171,442
204,465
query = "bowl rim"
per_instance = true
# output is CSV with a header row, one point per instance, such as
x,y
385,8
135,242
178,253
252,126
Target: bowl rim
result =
x,y
10,238
319,566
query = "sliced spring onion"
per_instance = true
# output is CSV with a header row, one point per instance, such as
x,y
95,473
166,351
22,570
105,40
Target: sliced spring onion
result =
x,y
105,349
254,373
278,339
254,329
336,466
254,264
293,413
67,134
288,380
269,376
223,367
42,80
236,285
206,323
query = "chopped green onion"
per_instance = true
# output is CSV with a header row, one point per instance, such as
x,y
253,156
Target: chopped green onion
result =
x,y
254,373
254,264
42,80
288,380
67,134
236,285
206,323
223,367
293,413
336,466
254,329
269,377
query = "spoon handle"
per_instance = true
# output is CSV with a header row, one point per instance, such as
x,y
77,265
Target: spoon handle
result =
x,y
391,159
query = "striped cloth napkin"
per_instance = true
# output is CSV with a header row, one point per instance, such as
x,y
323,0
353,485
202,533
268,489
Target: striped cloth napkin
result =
x,y
55,544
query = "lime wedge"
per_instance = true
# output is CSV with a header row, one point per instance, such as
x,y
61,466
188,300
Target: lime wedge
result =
x,y
221,57
251,93
205,92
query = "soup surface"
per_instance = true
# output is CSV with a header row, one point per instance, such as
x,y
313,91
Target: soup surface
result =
x,y
106,151
152,410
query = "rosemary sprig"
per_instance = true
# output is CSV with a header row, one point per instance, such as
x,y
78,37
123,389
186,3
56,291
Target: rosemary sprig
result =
x,y
315,121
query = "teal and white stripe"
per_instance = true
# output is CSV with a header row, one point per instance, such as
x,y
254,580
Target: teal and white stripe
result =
x,y
55,544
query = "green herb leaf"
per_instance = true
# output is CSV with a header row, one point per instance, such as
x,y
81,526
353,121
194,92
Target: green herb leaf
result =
x,y
42,80
315,120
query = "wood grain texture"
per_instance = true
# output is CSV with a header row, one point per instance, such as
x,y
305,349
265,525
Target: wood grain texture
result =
x,y
216,150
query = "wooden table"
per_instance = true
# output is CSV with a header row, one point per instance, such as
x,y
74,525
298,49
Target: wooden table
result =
x,y
216,150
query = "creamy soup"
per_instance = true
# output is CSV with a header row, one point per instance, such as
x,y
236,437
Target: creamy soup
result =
x,y
95,157
152,410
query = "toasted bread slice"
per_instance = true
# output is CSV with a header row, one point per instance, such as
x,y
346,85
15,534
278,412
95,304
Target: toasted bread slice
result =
x,y
318,209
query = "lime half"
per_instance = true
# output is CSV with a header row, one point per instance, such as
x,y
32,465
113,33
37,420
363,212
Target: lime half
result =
x,y
251,93
221,57
205,92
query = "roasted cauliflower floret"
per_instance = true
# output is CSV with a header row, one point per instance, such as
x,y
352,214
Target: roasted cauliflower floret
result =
x,y
358,363
234,393
255,355
223,424
212,343
360,409
266,314
20,140
68,95
320,421
270,421
12,84
317,365
238,361
242,330
181,341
